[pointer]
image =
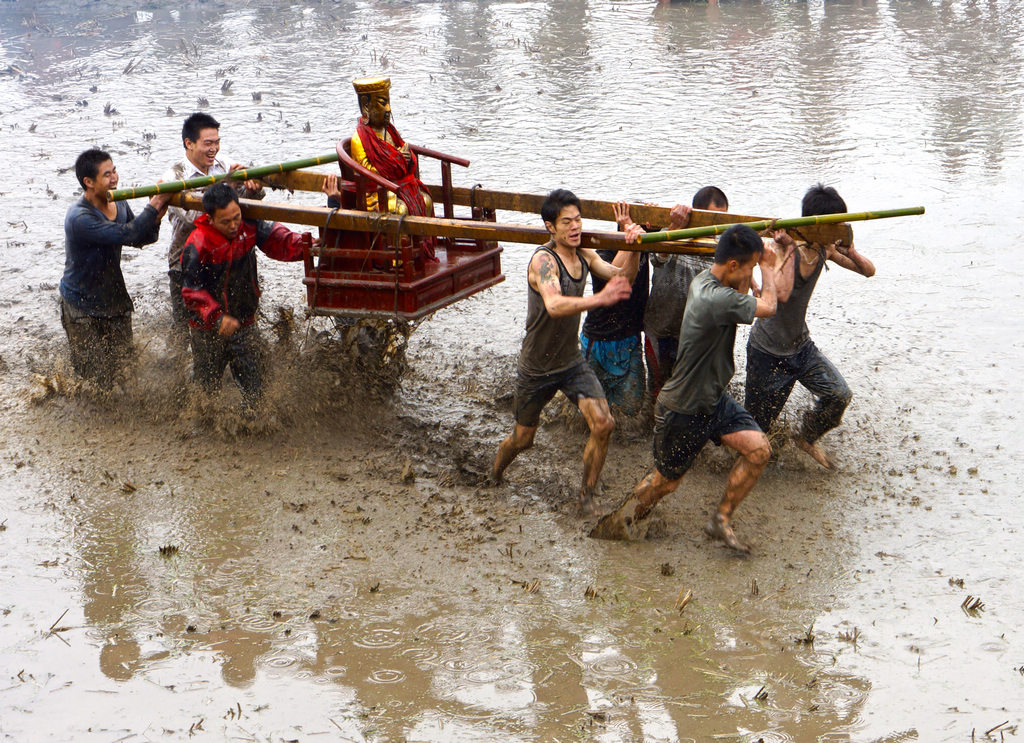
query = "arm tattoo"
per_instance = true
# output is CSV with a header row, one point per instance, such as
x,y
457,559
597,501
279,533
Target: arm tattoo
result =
x,y
548,274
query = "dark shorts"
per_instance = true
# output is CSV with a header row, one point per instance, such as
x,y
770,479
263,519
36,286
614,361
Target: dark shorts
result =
x,y
679,437
770,379
534,392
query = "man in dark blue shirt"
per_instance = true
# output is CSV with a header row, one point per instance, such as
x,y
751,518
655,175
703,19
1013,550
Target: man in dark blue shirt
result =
x,y
611,335
96,310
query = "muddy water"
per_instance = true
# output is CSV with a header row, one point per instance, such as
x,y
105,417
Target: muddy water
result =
x,y
339,575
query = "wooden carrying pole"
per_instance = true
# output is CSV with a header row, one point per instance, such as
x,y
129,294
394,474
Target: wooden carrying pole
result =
x,y
718,229
387,223
208,180
527,203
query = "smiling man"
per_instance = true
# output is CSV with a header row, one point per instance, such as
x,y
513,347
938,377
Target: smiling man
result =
x,y
96,310
200,135
221,290
550,359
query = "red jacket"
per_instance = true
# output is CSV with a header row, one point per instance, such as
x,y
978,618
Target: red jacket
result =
x,y
219,277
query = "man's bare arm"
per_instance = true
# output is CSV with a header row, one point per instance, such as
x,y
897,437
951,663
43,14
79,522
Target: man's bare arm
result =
x,y
850,259
625,264
767,303
785,266
543,276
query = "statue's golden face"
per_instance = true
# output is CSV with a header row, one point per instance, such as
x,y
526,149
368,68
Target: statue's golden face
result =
x,y
377,109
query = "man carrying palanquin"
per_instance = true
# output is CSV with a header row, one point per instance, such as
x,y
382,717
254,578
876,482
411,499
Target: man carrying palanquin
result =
x,y
377,146
550,360
611,335
221,290
780,351
670,282
200,135
95,307
693,406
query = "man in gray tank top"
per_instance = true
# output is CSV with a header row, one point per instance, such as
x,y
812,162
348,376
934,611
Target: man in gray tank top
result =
x,y
550,359
670,281
780,351
693,406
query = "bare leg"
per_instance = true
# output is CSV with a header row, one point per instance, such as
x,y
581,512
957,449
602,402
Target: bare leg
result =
x,y
601,422
628,521
518,441
754,452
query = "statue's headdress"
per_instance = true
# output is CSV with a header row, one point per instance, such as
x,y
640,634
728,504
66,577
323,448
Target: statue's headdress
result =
x,y
368,85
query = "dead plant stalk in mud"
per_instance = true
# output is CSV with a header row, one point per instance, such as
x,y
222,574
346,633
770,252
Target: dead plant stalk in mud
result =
x,y
50,629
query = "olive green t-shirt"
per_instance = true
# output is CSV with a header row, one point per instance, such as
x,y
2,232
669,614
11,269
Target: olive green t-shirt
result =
x,y
704,364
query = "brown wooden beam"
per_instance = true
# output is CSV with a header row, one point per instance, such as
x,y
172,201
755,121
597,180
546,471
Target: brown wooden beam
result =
x,y
527,203
362,221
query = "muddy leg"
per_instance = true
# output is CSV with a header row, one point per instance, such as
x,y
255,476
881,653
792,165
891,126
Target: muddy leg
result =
x,y
755,451
209,358
601,422
832,395
117,347
85,341
247,359
769,384
518,441
629,520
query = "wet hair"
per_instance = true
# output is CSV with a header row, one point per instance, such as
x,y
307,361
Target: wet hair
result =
x,y
87,165
709,195
217,197
739,243
556,201
195,124
821,199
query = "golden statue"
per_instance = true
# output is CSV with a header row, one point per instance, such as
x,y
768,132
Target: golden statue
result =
x,y
377,146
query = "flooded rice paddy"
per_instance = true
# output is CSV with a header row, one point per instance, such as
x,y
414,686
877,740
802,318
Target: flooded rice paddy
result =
x,y
338,573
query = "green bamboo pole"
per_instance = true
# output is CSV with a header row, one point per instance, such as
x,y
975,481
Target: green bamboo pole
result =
x,y
718,229
209,180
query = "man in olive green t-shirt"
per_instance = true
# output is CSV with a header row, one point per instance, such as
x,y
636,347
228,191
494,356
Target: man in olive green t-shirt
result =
x,y
693,406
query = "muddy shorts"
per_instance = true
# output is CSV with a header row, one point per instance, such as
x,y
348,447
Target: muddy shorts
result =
x,y
679,437
619,366
534,392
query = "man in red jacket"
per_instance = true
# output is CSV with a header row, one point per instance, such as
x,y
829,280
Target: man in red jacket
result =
x,y
221,290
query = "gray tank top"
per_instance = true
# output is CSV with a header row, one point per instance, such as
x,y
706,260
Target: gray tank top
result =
x,y
784,332
552,343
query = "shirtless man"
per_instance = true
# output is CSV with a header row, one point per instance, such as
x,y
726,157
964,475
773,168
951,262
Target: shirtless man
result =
x,y
550,359
780,351
693,406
